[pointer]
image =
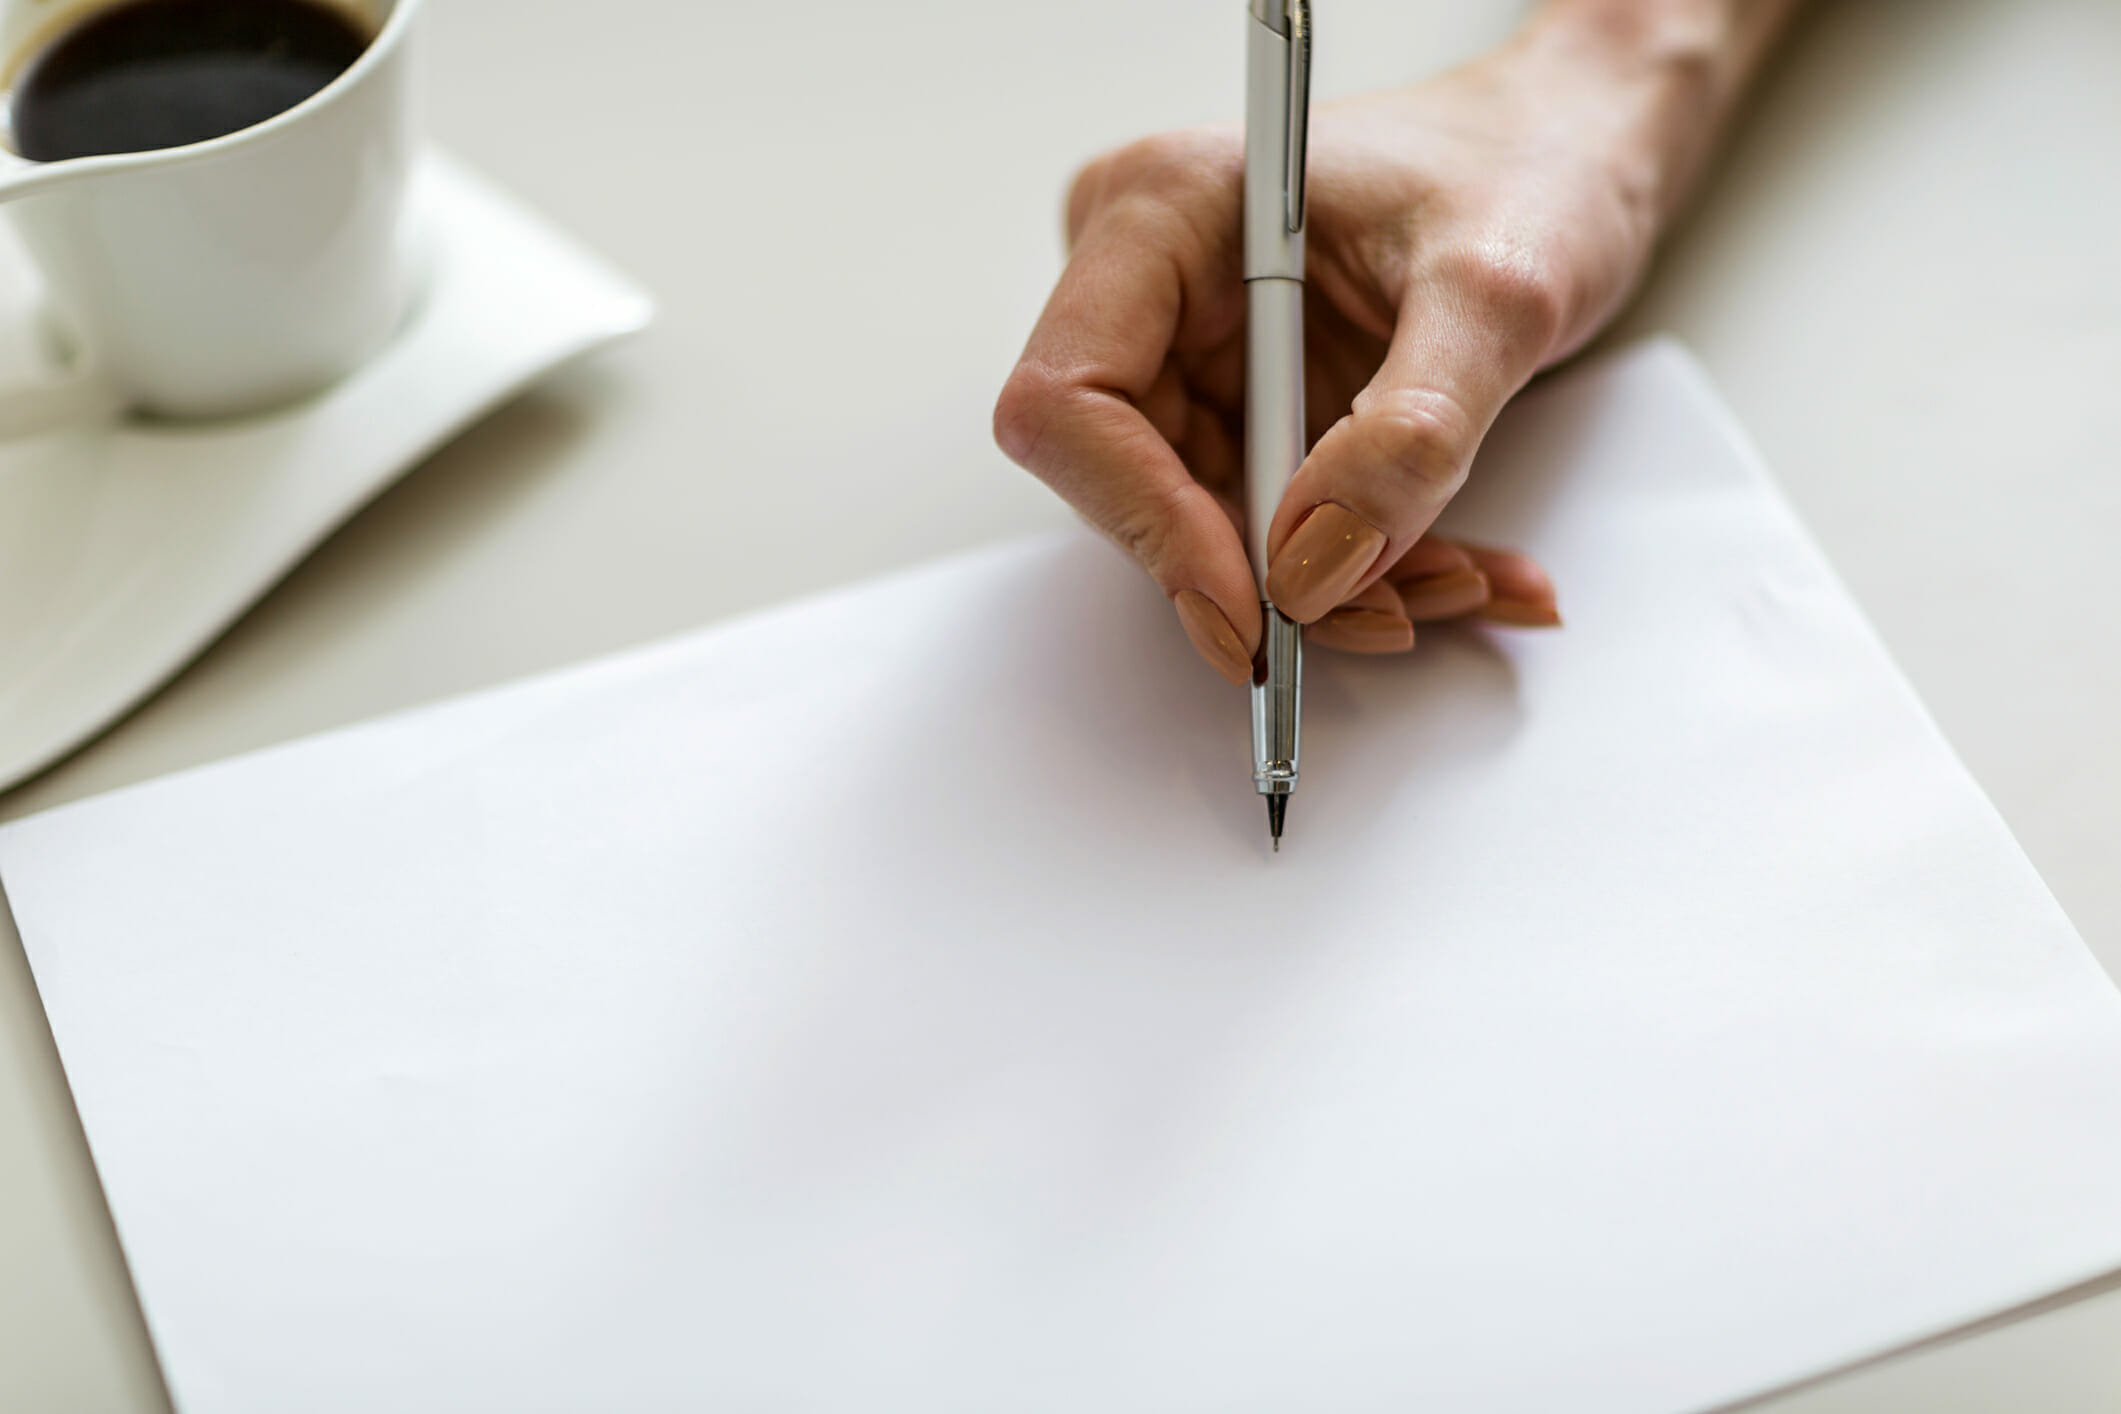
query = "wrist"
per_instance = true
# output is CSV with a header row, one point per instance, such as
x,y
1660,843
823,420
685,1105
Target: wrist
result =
x,y
1647,85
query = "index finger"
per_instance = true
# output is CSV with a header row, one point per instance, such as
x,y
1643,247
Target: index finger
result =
x,y
1071,415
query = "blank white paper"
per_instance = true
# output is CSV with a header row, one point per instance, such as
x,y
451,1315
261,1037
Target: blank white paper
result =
x,y
889,1003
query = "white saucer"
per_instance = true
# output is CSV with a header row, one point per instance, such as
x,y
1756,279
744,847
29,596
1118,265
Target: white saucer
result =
x,y
126,547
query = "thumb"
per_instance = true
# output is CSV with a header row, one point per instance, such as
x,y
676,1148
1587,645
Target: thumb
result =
x,y
1381,475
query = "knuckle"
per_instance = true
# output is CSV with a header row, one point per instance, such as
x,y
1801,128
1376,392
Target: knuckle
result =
x,y
1518,290
1091,175
1143,540
1177,191
1144,178
1084,192
1419,434
1147,532
1021,412
1158,158
1196,170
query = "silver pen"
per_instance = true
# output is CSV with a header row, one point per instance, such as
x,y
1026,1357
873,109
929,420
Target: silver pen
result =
x,y
1277,111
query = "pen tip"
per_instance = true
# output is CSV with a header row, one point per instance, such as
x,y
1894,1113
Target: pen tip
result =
x,y
1277,810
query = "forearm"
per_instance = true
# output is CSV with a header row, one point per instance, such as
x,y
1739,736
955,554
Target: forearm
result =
x,y
1660,79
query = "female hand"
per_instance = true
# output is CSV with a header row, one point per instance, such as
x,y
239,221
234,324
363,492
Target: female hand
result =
x,y
1462,234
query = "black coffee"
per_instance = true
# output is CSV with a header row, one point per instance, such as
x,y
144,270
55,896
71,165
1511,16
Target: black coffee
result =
x,y
161,73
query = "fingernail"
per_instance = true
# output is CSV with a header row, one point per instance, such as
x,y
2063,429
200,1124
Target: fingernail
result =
x,y
1444,596
1333,548
1362,631
1212,635
1520,613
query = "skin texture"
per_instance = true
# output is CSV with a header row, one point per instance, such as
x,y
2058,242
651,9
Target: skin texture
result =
x,y
1463,233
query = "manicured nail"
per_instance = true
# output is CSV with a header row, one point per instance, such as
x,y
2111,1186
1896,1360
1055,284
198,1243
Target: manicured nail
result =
x,y
1212,635
1333,548
1362,631
1444,596
1520,613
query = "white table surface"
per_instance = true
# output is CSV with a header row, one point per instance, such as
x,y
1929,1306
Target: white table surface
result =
x,y
1905,276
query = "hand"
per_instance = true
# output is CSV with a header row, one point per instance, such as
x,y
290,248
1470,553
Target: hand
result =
x,y
1462,234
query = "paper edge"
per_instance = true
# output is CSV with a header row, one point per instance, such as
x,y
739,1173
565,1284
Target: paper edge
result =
x,y
636,653
2088,1281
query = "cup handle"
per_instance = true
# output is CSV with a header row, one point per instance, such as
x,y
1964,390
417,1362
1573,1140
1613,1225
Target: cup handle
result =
x,y
29,409
70,391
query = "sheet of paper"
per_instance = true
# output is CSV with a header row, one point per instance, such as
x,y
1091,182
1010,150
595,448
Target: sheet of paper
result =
x,y
889,1003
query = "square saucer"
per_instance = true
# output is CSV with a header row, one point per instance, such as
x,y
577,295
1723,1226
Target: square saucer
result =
x,y
126,546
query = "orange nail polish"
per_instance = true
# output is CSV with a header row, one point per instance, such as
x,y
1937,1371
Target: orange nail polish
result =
x,y
1212,634
1320,563
1363,631
1517,613
1444,596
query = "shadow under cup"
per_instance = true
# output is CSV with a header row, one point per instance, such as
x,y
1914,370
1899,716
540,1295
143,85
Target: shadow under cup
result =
x,y
212,191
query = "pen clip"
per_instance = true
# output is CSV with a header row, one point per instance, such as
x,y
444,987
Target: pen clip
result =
x,y
1297,136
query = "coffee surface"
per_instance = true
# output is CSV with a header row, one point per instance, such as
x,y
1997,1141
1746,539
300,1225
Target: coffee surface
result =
x,y
148,74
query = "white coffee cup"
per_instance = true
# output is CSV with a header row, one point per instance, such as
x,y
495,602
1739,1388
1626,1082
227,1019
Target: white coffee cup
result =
x,y
228,276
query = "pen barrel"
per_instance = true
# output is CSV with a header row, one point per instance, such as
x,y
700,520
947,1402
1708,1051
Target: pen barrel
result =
x,y
1274,448
1277,705
1274,405
1277,101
